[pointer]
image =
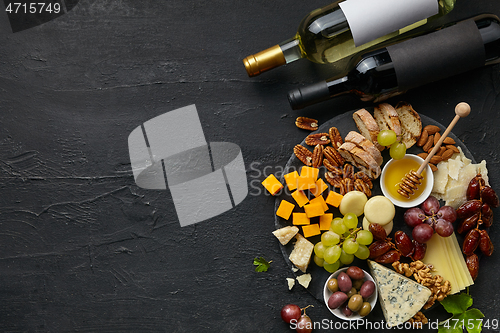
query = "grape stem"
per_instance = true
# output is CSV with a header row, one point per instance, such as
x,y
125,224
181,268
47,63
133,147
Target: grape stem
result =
x,y
304,309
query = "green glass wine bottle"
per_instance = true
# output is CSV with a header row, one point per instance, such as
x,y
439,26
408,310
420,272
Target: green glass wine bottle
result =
x,y
335,33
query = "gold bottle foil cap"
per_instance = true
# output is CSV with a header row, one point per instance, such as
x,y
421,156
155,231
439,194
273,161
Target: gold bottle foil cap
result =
x,y
264,60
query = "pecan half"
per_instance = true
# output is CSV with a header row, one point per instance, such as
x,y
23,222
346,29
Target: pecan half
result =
x,y
361,186
348,171
364,177
333,156
303,154
335,137
333,179
317,158
306,123
317,139
328,165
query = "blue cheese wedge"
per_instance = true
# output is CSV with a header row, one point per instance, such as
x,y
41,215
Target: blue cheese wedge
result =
x,y
400,297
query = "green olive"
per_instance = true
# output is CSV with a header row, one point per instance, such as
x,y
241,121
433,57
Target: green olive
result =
x,y
355,302
357,283
351,292
365,309
333,285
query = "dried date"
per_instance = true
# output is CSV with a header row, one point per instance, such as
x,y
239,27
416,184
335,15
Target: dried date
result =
x,y
388,257
489,196
471,242
486,215
473,189
472,262
377,231
485,244
468,223
468,208
378,248
404,243
420,250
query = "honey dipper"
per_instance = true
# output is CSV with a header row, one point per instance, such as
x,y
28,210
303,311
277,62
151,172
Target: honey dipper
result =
x,y
413,178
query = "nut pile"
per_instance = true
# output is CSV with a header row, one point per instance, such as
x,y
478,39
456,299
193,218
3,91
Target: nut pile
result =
x,y
429,138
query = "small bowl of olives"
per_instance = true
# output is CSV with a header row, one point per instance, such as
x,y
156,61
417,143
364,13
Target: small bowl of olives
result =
x,y
350,293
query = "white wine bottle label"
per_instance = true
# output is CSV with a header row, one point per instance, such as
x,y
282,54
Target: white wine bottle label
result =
x,y
369,19
438,55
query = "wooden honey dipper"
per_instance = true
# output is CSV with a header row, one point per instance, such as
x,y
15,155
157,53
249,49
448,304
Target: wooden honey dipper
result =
x,y
413,178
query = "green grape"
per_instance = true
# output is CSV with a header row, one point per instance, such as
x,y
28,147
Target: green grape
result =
x,y
338,226
346,258
330,268
319,261
350,246
330,238
363,252
386,137
319,249
397,150
364,237
350,220
332,254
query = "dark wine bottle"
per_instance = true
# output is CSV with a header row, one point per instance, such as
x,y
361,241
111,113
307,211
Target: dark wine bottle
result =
x,y
395,69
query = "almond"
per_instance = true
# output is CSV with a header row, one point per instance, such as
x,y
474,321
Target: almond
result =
x,y
432,129
423,155
428,145
433,167
437,136
449,141
447,154
452,147
441,151
423,138
436,159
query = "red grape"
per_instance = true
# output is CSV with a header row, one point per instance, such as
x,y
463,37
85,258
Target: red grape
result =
x,y
290,312
422,233
414,216
447,213
304,325
430,206
443,228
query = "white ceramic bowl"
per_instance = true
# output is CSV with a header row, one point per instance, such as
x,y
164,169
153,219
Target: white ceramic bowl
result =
x,y
414,200
338,312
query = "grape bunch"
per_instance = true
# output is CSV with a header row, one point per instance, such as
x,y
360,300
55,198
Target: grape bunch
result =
x,y
388,138
430,218
343,242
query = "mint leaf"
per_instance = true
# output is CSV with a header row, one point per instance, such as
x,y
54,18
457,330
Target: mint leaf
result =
x,y
262,264
457,304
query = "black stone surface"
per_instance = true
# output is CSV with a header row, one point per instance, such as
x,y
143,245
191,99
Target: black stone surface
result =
x,y
83,249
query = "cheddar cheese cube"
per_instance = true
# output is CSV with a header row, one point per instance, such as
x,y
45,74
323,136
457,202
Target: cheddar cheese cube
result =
x,y
285,209
320,187
300,219
314,209
291,180
300,198
322,201
325,221
334,198
307,171
272,184
306,183
310,230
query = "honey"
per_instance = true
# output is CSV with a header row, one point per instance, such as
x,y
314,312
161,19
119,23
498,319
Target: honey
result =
x,y
396,171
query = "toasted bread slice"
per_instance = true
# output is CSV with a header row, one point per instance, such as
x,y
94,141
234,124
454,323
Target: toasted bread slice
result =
x,y
360,159
345,151
367,126
387,118
365,144
411,124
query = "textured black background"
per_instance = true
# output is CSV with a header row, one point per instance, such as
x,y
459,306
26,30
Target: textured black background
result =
x,y
83,249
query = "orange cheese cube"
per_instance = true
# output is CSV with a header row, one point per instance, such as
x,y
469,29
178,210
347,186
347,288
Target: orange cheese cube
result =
x,y
320,187
306,171
306,183
334,198
325,220
272,184
320,200
314,209
311,230
285,209
300,198
291,180
300,219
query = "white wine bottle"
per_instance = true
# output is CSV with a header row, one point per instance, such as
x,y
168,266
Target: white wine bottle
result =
x,y
335,33
397,68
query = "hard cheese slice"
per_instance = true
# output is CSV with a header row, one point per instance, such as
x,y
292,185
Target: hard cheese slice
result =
x,y
400,297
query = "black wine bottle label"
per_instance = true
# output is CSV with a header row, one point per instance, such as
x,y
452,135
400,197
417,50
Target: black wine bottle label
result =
x,y
438,55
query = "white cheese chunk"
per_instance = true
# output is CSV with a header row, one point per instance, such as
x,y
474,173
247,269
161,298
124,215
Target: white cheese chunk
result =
x,y
304,280
301,253
440,178
291,283
400,297
285,234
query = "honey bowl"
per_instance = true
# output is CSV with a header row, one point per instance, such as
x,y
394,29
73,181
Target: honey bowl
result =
x,y
395,170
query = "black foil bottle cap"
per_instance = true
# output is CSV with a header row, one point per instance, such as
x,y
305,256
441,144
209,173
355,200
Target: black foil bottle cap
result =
x,y
301,97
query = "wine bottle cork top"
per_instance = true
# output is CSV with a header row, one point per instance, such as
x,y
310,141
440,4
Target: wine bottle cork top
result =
x,y
258,63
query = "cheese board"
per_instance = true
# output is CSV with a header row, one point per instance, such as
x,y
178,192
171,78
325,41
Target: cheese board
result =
x,y
345,123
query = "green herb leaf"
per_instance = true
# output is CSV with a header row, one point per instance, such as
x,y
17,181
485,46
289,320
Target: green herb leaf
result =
x,y
472,320
449,326
457,304
262,264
